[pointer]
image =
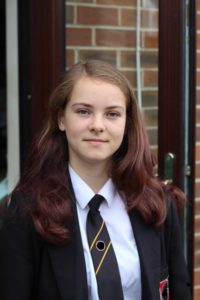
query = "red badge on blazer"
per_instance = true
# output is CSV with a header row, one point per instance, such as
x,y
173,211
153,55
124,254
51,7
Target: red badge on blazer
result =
x,y
164,289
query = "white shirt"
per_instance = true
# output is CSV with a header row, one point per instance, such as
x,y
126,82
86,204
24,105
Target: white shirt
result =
x,y
114,213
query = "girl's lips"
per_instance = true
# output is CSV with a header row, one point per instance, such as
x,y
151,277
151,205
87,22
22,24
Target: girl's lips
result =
x,y
95,141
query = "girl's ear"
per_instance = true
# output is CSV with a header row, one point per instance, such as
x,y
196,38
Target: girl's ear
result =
x,y
61,124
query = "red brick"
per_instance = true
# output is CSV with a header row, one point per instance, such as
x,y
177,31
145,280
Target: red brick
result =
x,y
197,96
69,14
117,2
82,1
119,38
197,207
151,78
153,136
197,264
197,152
198,59
70,59
198,40
198,115
97,16
197,170
197,189
128,59
197,5
196,247
149,19
150,39
197,138
198,78
196,293
151,117
131,75
198,21
78,36
197,277
128,17
149,98
106,55
149,59
197,224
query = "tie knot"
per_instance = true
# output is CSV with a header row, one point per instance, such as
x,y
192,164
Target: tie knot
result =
x,y
95,202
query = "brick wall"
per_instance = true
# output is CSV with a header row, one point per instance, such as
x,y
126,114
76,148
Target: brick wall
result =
x,y
106,29
197,181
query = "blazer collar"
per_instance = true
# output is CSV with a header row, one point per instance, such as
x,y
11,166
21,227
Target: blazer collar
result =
x,y
148,243
69,264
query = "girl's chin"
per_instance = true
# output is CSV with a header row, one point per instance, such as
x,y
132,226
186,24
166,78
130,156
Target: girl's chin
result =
x,y
97,160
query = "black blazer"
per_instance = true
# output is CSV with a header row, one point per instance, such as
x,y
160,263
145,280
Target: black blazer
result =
x,y
33,269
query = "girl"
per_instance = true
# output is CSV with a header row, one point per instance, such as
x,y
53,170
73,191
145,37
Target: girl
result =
x,y
93,143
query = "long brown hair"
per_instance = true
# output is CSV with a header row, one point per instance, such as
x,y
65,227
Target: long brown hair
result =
x,y
45,174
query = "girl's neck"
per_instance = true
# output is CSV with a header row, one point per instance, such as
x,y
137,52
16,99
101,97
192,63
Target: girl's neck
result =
x,y
94,175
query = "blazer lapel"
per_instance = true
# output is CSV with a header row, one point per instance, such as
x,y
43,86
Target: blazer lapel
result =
x,y
69,265
148,243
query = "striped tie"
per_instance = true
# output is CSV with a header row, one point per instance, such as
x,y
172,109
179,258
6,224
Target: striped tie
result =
x,y
103,255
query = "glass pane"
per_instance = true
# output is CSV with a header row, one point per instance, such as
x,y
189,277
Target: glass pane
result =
x,y
9,102
3,135
197,179
124,33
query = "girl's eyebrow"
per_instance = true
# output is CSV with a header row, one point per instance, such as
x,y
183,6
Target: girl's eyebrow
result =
x,y
81,103
90,106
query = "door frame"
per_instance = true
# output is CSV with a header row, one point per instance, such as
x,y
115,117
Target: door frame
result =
x,y
176,121
41,62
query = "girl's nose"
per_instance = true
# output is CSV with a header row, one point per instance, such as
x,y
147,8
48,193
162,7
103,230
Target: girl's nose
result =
x,y
97,124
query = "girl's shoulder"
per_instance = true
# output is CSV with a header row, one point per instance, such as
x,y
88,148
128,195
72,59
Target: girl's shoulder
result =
x,y
172,225
16,207
173,196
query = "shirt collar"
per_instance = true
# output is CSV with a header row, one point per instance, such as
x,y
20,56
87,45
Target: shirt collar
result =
x,y
84,193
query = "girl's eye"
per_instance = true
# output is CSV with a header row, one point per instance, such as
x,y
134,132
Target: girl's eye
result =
x,y
113,114
83,112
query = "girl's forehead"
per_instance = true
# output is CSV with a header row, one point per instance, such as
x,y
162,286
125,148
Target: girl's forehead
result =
x,y
89,86
92,92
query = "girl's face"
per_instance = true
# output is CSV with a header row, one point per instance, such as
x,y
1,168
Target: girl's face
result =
x,y
94,121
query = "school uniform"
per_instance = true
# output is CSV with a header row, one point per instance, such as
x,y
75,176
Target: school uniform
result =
x,y
33,269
